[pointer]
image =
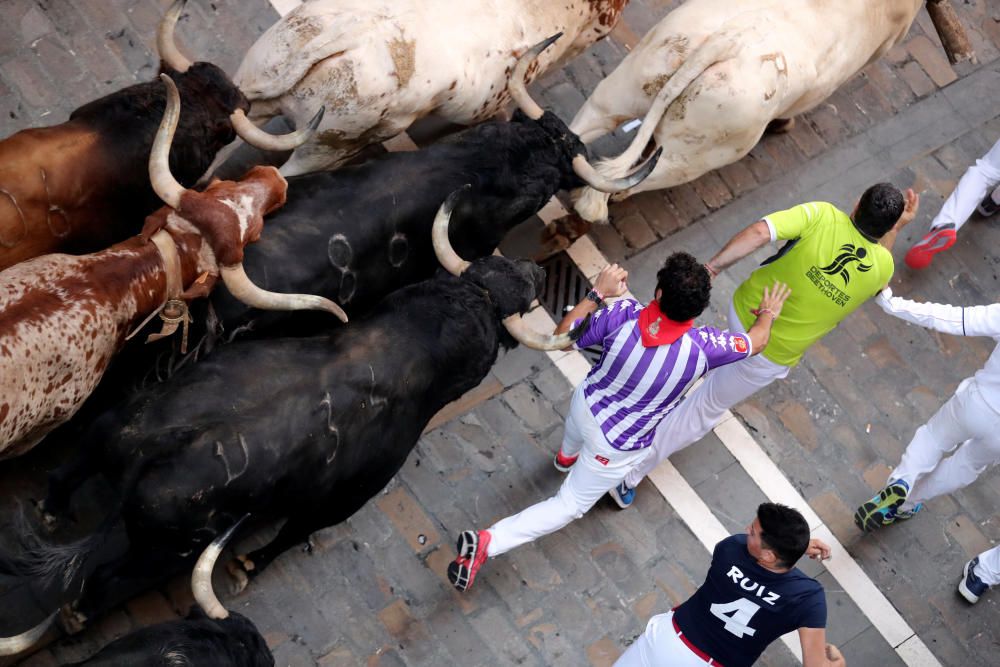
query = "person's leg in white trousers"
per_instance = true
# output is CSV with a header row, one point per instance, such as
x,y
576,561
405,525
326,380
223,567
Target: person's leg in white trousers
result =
x,y
705,405
588,480
979,180
988,568
964,419
659,646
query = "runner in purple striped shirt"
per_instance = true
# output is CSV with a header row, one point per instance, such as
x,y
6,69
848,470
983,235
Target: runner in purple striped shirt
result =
x,y
651,356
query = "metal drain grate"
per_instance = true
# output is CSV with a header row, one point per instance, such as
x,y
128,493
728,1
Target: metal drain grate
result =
x,y
565,286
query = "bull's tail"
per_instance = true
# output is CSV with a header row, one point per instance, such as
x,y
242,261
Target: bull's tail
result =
x,y
718,47
58,569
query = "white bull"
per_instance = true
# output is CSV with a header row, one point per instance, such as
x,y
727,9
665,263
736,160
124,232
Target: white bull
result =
x,y
378,65
711,75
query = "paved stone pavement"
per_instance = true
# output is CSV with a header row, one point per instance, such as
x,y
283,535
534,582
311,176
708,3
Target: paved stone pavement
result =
x,y
373,590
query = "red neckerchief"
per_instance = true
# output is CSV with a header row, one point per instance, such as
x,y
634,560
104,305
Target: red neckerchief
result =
x,y
658,329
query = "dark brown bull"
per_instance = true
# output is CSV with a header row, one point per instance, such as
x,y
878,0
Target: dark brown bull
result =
x,y
82,185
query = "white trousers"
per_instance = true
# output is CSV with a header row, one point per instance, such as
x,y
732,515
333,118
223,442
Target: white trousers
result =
x,y
967,422
660,646
988,568
705,405
975,184
599,469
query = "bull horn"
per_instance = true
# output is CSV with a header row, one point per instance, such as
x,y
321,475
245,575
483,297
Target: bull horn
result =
x,y
258,138
446,254
241,287
516,88
528,337
201,577
165,44
594,179
164,183
581,166
18,643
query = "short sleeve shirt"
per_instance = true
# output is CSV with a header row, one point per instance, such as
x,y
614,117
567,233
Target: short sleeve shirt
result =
x,y
829,266
742,607
633,387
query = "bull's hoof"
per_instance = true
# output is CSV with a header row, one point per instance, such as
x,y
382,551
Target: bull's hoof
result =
x,y
240,569
71,619
780,126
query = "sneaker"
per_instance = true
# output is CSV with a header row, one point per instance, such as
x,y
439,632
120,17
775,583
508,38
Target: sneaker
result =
x,y
562,462
903,515
882,509
934,241
471,548
971,586
622,495
989,206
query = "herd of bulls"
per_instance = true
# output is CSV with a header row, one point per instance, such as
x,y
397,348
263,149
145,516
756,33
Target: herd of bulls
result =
x,y
242,403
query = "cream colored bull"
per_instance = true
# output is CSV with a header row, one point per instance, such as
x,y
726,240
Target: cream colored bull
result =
x,y
711,75
378,65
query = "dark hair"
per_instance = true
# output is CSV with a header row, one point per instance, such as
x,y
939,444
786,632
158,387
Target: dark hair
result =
x,y
685,286
784,531
879,209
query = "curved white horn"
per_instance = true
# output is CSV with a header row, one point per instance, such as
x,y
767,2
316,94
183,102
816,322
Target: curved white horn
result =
x,y
528,337
164,183
201,577
17,643
449,259
594,179
516,88
241,287
165,44
258,138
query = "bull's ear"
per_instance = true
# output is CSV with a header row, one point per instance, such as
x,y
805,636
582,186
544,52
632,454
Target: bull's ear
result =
x,y
581,328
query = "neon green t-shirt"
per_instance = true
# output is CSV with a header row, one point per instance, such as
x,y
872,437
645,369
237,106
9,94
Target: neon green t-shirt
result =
x,y
830,267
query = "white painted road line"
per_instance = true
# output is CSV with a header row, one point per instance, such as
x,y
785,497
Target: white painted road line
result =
x,y
773,483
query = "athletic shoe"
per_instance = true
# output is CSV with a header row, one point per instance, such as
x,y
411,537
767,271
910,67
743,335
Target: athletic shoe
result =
x,y
971,586
622,495
882,509
989,206
471,548
564,463
904,515
934,241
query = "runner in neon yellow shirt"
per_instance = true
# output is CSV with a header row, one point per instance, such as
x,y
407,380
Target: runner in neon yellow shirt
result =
x,y
833,262
831,268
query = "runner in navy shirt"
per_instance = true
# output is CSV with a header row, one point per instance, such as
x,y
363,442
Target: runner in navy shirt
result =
x,y
752,595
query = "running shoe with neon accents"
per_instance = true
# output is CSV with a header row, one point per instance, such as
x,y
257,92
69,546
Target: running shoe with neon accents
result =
x,y
936,240
471,548
882,509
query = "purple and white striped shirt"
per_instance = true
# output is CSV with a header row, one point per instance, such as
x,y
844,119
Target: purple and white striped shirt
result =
x,y
633,387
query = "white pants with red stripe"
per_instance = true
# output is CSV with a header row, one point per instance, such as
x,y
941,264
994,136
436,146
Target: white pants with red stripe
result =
x,y
966,422
979,180
988,568
599,469
660,646
705,405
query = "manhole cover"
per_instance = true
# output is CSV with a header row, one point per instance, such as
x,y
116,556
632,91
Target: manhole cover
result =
x,y
565,286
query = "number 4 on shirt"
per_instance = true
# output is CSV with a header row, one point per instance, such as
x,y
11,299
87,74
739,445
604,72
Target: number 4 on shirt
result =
x,y
737,615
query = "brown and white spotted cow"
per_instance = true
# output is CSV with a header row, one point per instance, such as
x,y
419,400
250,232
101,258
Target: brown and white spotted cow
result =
x,y
63,317
378,65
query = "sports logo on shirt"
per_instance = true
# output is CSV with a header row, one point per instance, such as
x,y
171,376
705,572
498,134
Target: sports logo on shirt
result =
x,y
603,460
849,254
738,344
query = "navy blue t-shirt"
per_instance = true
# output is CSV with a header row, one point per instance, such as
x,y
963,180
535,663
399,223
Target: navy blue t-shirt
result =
x,y
742,607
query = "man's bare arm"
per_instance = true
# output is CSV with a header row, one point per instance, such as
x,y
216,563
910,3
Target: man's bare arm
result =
x,y
816,652
745,242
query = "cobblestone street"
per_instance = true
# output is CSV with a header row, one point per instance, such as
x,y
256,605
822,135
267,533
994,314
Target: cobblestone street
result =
x,y
373,590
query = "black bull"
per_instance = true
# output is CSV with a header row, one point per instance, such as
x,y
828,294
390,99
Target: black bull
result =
x,y
357,234
307,429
